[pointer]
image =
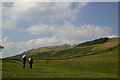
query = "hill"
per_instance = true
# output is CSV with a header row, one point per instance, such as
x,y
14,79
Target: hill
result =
x,y
97,41
66,51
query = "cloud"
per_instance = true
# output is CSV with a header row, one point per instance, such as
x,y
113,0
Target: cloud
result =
x,y
40,29
112,36
0,22
70,32
43,12
8,20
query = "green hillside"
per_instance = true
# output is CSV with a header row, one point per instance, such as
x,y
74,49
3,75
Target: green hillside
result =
x,y
66,51
97,41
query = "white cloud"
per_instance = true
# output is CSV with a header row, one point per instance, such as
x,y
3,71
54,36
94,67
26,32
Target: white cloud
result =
x,y
0,22
40,29
8,20
42,11
70,32
112,36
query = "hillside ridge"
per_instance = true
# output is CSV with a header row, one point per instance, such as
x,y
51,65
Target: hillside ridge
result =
x,y
67,51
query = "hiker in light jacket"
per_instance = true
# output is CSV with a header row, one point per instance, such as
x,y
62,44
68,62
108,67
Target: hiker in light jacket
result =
x,y
30,59
23,61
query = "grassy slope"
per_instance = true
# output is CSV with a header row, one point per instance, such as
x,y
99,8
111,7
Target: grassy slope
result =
x,y
66,51
35,52
77,51
63,53
102,65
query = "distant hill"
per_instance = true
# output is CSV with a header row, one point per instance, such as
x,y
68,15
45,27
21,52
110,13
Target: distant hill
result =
x,y
97,41
66,51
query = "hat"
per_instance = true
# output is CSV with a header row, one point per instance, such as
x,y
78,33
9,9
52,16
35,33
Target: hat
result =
x,y
23,56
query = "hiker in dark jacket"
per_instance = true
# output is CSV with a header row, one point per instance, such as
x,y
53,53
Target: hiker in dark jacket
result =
x,y
23,61
30,59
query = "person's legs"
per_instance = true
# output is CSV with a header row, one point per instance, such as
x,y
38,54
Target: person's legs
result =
x,y
31,65
23,65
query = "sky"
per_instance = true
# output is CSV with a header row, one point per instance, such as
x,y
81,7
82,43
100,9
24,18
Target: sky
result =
x,y
27,25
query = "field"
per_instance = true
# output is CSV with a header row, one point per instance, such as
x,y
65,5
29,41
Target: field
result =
x,y
102,65
94,66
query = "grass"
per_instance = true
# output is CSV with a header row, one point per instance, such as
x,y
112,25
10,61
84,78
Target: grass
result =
x,y
94,66
63,53
105,46
113,39
62,69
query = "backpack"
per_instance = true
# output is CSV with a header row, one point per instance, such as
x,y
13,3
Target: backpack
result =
x,y
30,60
